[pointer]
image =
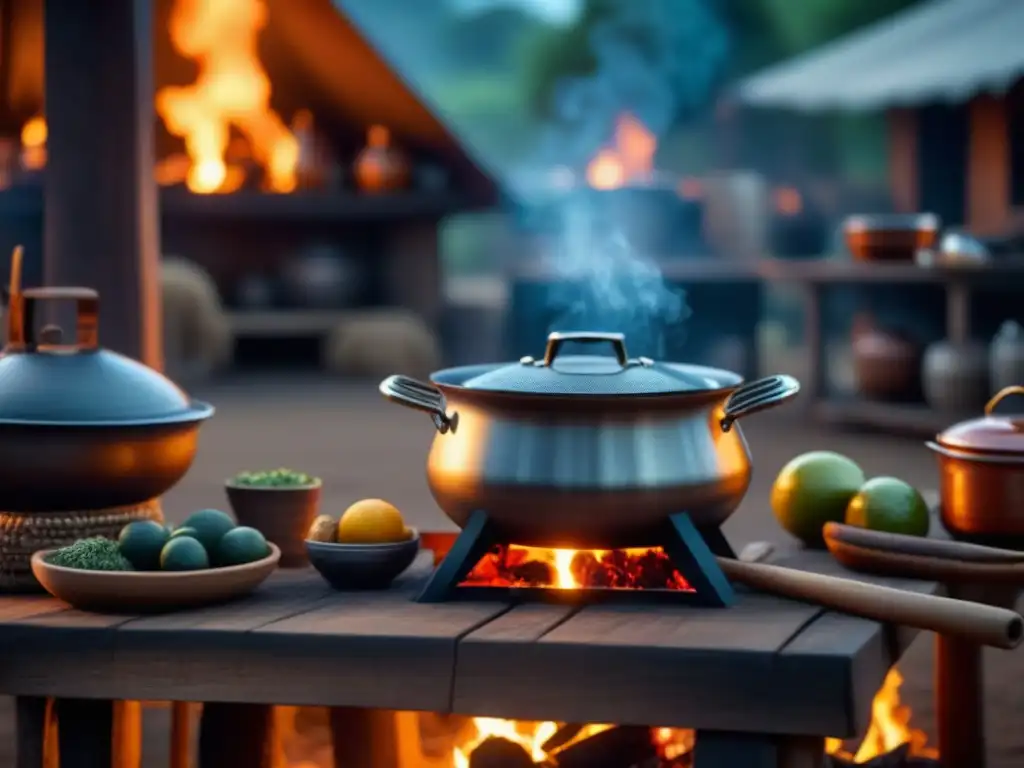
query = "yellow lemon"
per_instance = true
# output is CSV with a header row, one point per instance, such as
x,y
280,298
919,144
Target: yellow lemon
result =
x,y
371,521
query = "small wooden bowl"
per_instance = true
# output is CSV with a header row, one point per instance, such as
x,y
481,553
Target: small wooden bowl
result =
x,y
150,591
363,566
890,237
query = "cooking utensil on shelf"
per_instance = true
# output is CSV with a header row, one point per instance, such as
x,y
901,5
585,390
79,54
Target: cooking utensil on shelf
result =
x,y
588,451
983,624
82,427
981,472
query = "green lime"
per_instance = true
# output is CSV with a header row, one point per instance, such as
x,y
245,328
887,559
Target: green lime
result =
x,y
140,544
891,505
210,525
241,545
184,554
814,489
185,531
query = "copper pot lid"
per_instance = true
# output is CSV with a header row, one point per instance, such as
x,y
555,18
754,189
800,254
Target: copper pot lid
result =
x,y
597,375
1001,430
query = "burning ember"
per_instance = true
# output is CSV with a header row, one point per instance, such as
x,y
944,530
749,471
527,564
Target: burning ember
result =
x,y
551,743
629,159
515,566
232,91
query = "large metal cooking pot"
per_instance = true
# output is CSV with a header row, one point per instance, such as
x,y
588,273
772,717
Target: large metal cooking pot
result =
x,y
981,473
584,450
82,427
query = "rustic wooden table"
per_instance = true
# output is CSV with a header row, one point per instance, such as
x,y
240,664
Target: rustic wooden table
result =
x,y
762,682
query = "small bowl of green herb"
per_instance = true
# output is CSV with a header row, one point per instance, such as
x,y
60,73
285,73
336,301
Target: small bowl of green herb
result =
x,y
94,574
281,504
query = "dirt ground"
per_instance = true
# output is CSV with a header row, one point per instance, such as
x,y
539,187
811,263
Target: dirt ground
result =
x,y
362,446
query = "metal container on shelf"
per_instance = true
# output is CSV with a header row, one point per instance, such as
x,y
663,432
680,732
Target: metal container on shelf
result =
x,y
955,376
321,276
1006,356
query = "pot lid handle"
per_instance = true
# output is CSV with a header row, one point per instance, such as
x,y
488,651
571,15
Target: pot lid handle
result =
x,y
22,336
558,339
999,397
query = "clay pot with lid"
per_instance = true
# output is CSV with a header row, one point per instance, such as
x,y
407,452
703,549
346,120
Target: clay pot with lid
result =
x,y
886,364
981,473
380,167
82,427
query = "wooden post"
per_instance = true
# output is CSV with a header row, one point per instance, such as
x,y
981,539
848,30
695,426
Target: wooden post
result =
x,y
903,175
364,738
236,736
101,220
988,167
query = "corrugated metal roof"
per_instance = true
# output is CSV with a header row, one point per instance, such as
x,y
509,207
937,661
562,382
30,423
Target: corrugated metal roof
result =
x,y
946,50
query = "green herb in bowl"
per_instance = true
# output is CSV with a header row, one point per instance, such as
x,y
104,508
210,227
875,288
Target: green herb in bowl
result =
x,y
276,478
97,554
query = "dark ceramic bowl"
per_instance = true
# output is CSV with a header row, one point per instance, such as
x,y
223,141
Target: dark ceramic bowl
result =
x,y
890,237
362,566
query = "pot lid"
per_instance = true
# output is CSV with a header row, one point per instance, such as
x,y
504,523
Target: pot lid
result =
x,y
44,381
81,388
1001,430
582,375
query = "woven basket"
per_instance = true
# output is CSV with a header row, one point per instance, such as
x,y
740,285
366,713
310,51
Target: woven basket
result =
x,y
22,535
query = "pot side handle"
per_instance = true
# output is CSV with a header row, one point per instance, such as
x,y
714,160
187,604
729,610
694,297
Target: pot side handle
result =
x,y
420,396
758,395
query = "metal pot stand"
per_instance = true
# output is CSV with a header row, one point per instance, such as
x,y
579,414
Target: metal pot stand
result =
x,y
692,552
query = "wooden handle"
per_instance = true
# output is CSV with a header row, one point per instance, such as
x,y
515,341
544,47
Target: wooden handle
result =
x,y
944,570
982,624
916,545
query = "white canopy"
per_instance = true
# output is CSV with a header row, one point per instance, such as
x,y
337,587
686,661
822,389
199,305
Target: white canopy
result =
x,y
943,50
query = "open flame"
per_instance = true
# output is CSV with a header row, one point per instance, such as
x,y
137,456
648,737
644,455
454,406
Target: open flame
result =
x,y
628,159
232,91
889,729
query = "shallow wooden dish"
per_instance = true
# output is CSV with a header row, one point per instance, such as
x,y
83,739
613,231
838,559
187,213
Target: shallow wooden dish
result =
x,y
150,591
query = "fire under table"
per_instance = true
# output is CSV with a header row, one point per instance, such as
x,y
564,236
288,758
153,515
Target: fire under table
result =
x,y
762,681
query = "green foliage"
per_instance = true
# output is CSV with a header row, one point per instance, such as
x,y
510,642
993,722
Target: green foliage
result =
x,y
276,478
95,554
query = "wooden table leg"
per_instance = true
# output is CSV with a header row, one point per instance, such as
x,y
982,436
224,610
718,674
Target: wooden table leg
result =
x,y
236,736
364,738
181,734
801,752
724,749
30,714
85,730
960,688
959,703
127,734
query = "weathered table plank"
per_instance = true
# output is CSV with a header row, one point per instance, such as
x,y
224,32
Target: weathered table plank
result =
x,y
295,641
675,666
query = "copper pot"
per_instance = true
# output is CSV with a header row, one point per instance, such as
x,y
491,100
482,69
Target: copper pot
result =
x,y
981,472
890,237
